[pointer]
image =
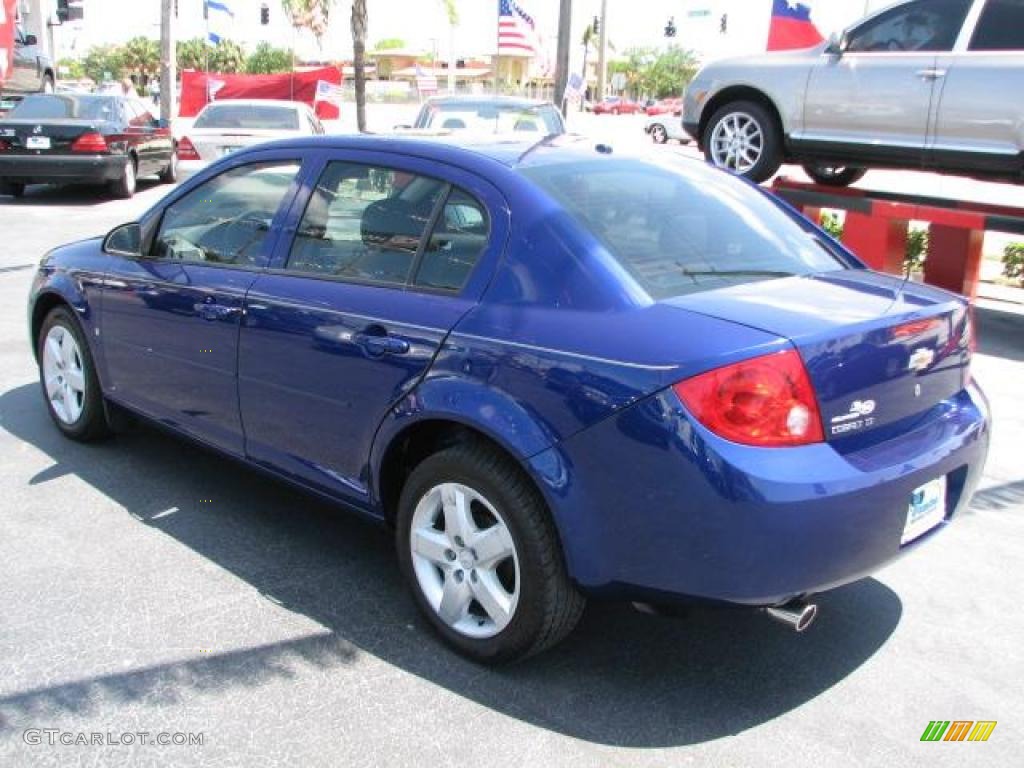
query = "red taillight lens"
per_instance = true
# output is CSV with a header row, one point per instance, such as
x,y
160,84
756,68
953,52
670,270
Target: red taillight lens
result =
x,y
4,146
187,150
766,401
90,142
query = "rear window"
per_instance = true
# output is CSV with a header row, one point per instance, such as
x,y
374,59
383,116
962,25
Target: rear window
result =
x,y
56,107
680,233
542,120
251,116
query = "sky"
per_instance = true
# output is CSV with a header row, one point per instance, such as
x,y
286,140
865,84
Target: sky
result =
x,y
423,24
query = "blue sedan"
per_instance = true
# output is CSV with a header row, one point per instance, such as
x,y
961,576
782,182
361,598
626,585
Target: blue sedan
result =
x,y
554,370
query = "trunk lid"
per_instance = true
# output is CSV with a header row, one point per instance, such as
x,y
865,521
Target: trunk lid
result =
x,y
878,349
45,137
214,143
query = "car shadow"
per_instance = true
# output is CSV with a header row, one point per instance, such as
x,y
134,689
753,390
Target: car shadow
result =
x,y
69,194
622,678
1000,333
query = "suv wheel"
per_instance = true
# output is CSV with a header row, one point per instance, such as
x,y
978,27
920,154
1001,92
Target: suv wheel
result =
x,y
834,175
479,550
743,137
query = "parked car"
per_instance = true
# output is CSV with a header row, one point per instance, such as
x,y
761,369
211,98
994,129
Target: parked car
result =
x,y
662,128
920,85
223,127
83,139
488,115
665,107
617,105
553,370
31,70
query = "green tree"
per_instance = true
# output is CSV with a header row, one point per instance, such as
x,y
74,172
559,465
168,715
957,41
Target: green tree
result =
x,y
192,54
103,62
141,56
389,44
267,59
227,56
71,68
669,73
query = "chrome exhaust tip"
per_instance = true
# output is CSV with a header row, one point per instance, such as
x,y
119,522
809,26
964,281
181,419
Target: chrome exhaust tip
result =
x,y
796,614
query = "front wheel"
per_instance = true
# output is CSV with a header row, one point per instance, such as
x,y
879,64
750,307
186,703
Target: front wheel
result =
x,y
834,175
68,378
482,557
744,137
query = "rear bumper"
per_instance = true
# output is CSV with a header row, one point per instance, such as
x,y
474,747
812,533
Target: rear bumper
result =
x,y
61,169
651,504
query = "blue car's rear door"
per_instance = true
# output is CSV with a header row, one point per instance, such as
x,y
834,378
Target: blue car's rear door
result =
x,y
171,319
385,253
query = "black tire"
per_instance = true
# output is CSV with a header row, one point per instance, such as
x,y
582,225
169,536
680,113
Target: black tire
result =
x,y
12,188
834,175
124,188
770,159
549,606
169,175
92,422
658,133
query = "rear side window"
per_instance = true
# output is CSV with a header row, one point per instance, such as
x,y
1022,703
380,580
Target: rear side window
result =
x,y
922,25
251,116
365,224
227,219
1001,27
455,245
678,234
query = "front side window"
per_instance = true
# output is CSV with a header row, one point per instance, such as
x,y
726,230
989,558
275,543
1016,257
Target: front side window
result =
x,y
922,25
365,223
679,232
227,219
1001,27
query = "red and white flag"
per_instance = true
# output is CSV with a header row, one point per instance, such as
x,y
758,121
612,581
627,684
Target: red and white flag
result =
x,y
425,82
517,32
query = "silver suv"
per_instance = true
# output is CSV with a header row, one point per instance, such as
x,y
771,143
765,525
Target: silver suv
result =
x,y
923,84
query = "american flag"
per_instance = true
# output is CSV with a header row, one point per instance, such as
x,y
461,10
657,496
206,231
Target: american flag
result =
x,y
516,30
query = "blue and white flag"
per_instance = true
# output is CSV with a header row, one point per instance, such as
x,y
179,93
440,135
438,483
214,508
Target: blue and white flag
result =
x,y
219,20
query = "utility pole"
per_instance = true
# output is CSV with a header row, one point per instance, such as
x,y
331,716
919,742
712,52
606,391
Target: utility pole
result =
x,y
168,62
562,60
602,52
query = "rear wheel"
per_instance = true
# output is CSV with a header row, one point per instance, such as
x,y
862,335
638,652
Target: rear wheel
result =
x,y
658,133
743,137
834,175
12,188
482,557
169,175
124,187
68,378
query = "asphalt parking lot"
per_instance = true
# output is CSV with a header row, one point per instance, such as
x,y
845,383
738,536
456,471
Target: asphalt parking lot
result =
x,y
150,586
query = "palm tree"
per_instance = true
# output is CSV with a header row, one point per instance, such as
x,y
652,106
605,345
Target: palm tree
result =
x,y
588,40
141,56
359,60
453,21
192,53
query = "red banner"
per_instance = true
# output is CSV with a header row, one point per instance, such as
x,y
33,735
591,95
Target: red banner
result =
x,y
199,88
7,19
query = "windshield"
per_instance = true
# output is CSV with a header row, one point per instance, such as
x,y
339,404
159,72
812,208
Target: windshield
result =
x,y
251,116
680,232
56,107
542,119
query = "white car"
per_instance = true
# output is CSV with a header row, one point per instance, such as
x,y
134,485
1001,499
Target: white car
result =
x,y
224,127
661,128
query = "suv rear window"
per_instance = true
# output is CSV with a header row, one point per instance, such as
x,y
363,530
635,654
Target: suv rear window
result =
x,y
679,233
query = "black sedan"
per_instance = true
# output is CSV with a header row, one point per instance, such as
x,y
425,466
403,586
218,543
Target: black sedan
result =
x,y
83,139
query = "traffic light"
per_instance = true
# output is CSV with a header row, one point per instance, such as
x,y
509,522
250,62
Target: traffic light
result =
x,y
596,25
63,11
670,28
264,14
723,25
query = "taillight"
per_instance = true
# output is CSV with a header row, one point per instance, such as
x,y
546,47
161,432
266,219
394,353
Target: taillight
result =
x,y
4,146
92,142
765,401
187,150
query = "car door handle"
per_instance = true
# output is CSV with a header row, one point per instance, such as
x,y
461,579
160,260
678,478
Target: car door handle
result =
x,y
931,74
376,344
213,312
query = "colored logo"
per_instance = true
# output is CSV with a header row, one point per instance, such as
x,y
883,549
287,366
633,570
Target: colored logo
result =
x,y
958,730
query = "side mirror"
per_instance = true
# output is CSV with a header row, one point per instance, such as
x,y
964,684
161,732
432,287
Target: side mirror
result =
x,y
125,240
836,45
31,40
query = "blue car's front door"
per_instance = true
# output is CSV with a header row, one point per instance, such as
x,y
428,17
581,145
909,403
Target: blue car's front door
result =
x,y
171,319
387,255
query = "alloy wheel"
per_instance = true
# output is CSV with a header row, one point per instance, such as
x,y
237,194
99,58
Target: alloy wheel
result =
x,y
63,374
737,142
465,560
